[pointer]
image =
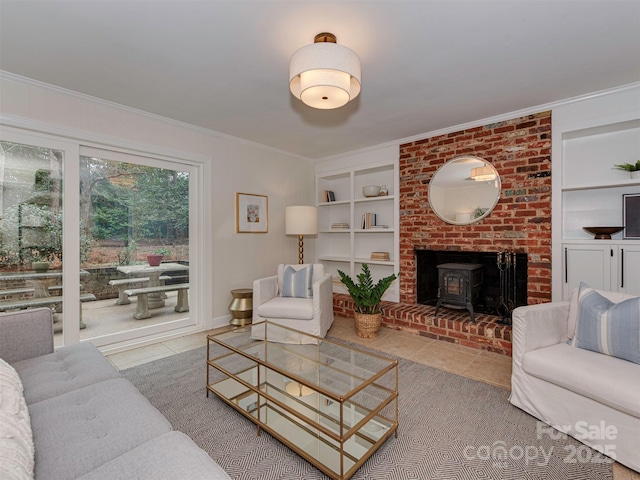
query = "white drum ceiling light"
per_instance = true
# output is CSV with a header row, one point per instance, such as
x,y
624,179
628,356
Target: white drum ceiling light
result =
x,y
324,74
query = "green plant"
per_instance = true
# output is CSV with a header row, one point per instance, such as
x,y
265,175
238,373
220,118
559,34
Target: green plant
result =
x,y
162,251
365,294
629,167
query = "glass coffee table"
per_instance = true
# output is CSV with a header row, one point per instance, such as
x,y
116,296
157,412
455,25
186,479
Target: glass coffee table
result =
x,y
332,404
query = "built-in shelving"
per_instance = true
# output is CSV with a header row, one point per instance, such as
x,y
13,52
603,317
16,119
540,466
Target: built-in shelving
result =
x,y
588,192
347,249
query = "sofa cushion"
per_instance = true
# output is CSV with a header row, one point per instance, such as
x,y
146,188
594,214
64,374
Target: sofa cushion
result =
x,y
80,430
297,282
169,456
574,307
283,307
602,378
16,440
67,369
607,327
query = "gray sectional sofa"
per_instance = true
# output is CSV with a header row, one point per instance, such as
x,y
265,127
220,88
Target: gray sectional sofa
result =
x,y
87,422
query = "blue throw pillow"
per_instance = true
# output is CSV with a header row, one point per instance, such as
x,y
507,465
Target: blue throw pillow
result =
x,y
297,283
607,327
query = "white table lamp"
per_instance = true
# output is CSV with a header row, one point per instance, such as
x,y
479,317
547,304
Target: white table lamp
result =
x,y
300,221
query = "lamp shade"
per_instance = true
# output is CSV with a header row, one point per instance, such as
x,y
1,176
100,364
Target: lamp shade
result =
x,y
301,220
483,174
324,74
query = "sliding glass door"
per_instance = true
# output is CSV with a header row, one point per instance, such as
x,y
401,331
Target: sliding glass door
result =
x,y
103,238
135,216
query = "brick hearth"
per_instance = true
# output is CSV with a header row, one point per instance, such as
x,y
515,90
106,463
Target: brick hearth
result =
x,y
453,326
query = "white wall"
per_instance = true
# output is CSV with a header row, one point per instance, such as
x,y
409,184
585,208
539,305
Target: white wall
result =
x,y
234,166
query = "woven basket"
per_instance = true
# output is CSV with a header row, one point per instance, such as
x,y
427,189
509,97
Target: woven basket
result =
x,y
367,325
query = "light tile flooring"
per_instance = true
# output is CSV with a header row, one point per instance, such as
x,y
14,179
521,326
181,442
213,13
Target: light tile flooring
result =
x,y
484,366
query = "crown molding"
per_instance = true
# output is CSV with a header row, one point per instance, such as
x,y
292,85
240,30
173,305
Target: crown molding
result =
x,y
486,121
4,75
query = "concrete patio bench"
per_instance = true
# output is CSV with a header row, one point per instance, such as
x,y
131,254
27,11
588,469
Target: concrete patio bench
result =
x,y
124,283
15,293
142,307
44,302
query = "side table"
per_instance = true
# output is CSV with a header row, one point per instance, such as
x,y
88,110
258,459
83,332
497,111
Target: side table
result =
x,y
241,307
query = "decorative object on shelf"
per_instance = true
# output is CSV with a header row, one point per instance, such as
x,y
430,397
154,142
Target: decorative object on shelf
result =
x,y
367,297
371,190
301,220
632,168
631,215
603,233
324,75
154,259
384,191
252,213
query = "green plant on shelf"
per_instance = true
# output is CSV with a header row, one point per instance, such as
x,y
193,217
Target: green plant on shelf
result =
x,y
629,167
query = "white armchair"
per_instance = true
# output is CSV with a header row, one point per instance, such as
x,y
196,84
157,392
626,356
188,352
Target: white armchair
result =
x,y
310,315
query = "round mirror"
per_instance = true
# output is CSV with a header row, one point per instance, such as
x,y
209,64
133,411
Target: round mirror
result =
x,y
464,190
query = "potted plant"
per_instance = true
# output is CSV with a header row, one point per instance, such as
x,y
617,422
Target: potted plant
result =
x,y
367,297
155,258
632,168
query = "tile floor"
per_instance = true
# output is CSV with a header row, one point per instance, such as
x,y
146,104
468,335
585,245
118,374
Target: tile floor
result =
x,y
484,366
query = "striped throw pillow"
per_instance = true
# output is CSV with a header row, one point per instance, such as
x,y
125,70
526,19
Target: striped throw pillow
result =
x,y
607,327
297,283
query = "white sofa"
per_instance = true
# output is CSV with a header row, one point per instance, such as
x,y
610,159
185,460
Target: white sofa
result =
x,y
590,396
309,315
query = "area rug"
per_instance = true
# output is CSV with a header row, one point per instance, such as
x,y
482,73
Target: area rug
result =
x,y
451,427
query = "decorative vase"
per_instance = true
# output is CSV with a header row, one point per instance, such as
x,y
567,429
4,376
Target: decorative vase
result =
x,y
154,259
635,174
40,267
384,191
367,325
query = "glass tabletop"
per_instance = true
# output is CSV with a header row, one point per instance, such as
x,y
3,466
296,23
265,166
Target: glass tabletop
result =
x,y
338,370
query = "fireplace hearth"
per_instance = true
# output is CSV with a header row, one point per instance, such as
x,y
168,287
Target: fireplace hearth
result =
x,y
504,285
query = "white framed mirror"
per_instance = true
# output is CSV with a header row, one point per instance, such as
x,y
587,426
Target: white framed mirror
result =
x,y
464,190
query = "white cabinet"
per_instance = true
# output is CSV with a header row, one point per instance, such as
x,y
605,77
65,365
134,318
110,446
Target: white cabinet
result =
x,y
604,265
343,243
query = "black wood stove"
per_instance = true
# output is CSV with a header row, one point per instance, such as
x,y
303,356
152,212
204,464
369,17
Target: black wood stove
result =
x,y
459,286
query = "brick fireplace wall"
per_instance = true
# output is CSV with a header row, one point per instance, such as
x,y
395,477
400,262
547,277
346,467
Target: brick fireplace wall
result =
x,y
520,149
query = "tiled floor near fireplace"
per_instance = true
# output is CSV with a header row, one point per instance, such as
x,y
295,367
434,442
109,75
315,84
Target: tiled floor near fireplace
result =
x,y
478,364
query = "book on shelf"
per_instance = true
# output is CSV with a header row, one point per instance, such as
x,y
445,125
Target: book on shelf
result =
x,y
368,220
339,226
379,226
384,256
329,196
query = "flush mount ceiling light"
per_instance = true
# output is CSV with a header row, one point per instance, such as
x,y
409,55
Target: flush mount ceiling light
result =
x,y
483,174
325,75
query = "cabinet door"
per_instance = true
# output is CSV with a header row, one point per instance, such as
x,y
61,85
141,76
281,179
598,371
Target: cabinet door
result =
x,y
629,269
590,264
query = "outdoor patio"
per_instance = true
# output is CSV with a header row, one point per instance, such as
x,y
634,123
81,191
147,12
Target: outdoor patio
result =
x,y
103,317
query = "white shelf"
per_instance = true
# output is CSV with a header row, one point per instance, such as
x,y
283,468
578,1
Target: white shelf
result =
x,y
331,258
374,230
368,261
632,182
337,202
374,199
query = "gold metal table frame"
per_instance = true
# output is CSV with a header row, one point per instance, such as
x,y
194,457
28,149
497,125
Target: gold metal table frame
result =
x,y
332,404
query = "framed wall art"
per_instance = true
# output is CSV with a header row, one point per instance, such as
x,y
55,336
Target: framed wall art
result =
x,y
252,213
631,215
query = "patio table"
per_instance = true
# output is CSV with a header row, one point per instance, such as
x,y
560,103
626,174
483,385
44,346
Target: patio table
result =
x,y
155,300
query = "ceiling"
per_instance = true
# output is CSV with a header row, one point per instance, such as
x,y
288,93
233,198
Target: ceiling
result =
x,y
223,65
